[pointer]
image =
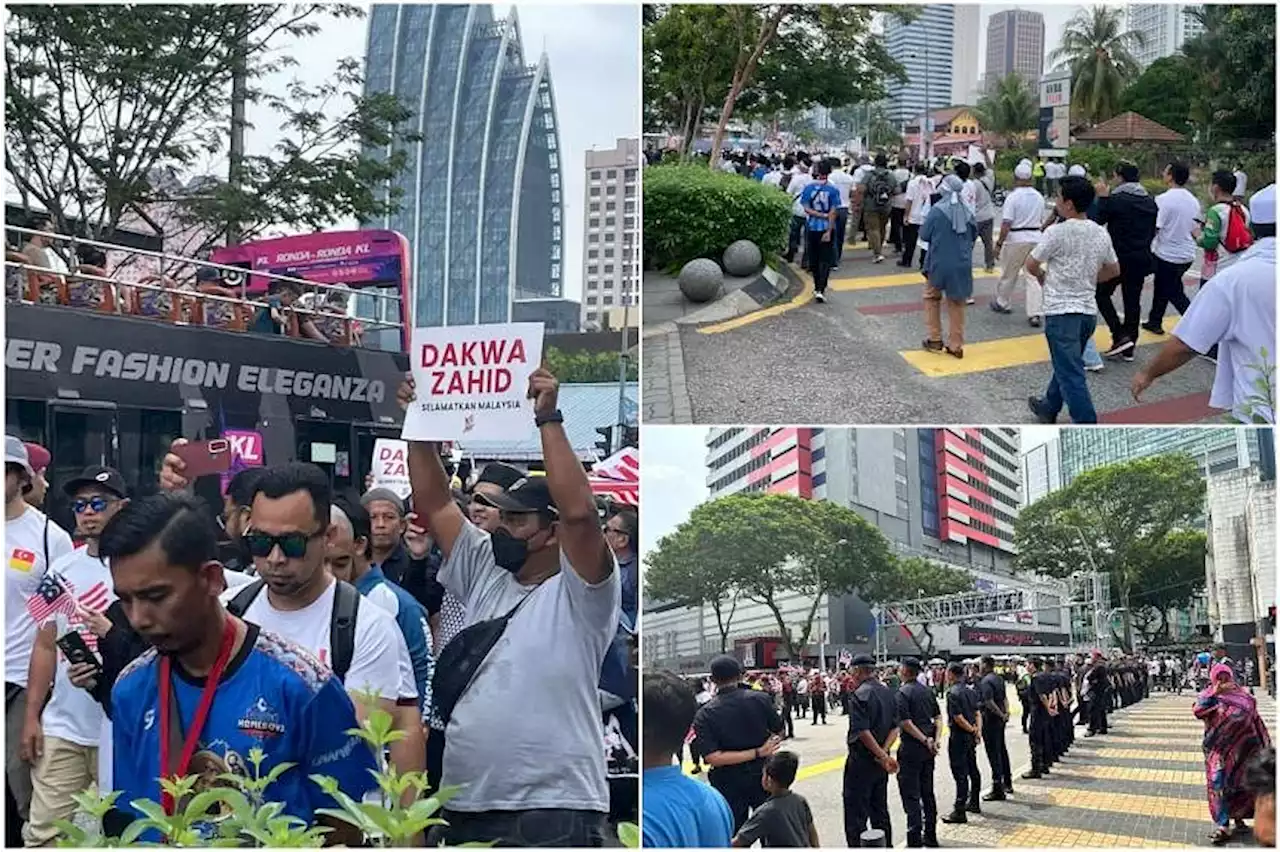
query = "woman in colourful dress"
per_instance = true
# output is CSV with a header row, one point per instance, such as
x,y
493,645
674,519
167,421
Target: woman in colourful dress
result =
x,y
1233,734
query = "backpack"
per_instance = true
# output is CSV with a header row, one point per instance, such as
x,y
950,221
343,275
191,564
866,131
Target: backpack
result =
x,y
879,190
342,626
1236,236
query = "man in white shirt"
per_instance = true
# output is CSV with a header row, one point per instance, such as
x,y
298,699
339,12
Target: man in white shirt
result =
x,y
800,178
1235,310
843,182
1242,182
1069,261
1021,220
981,187
33,542
779,172
64,739
1174,247
919,191
899,209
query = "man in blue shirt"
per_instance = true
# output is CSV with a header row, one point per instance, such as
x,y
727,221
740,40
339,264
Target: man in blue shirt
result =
x,y
820,201
258,690
679,812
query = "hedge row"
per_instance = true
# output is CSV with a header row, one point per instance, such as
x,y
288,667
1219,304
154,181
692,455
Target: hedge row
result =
x,y
692,211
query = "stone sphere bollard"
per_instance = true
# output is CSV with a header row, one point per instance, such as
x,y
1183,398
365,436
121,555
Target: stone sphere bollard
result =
x,y
701,280
742,258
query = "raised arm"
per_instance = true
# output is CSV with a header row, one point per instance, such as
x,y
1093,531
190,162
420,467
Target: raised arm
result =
x,y
432,496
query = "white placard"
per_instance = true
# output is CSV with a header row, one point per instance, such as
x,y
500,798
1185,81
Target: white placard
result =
x,y
472,381
391,466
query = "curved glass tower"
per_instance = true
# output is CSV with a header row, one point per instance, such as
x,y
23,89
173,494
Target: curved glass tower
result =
x,y
481,194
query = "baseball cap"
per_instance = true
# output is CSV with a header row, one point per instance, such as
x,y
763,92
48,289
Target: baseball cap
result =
x,y
527,494
37,455
1023,171
103,477
725,667
502,475
15,452
1262,207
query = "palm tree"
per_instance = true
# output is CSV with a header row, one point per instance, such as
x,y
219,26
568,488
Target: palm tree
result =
x,y
1098,50
1009,110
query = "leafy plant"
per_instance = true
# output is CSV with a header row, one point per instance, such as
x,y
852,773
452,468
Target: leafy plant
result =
x,y
691,212
1099,52
1260,405
629,835
1009,110
587,367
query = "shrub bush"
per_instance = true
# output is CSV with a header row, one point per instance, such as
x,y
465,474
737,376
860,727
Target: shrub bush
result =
x,y
692,211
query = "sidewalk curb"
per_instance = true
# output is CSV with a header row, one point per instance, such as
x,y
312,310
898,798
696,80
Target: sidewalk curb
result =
x,y
760,293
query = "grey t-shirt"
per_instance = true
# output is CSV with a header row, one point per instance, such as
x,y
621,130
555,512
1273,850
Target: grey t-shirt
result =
x,y
529,732
781,823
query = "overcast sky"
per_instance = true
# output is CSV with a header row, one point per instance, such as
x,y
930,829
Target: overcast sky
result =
x,y
594,55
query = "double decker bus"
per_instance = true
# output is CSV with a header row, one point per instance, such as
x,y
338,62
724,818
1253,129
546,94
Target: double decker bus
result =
x,y
105,381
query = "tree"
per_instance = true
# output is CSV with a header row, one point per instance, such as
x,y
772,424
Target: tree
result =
x,y
109,109
1161,93
587,367
1098,51
1008,110
1122,518
1233,84
916,577
686,569
1171,579
689,60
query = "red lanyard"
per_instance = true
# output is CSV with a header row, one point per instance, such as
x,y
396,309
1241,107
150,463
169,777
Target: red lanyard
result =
x,y
202,711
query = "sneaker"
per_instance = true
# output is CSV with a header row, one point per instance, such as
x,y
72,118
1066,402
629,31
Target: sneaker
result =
x,y
1095,368
1154,329
1034,404
1127,357
970,301
999,308
1118,347
820,296
1034,322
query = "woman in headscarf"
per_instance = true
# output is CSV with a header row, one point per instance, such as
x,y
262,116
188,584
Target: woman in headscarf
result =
x,y
950,230
1233,734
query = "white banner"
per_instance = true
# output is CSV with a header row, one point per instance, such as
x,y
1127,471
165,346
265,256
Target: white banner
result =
x,y
391,465
472,381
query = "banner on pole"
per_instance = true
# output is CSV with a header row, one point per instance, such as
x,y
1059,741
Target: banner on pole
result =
x,y
391,466
472,381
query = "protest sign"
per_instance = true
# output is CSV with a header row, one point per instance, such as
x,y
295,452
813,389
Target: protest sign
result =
x,y
246,452
391,465
472,381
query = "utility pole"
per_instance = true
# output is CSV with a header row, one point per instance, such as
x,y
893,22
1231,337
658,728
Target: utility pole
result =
x,y
622,379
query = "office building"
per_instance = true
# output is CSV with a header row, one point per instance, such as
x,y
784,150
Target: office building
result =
x,y
1218,449
480,198
611,242
560,316
1165,26
964,53
1015,45
924,48
948,495
1041,471
1240,569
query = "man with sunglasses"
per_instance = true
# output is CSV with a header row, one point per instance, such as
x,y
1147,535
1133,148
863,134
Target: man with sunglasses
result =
x,y
524,736
62,741
620,532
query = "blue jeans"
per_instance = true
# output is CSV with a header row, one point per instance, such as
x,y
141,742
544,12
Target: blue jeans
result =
x,y
1068,335
1091,356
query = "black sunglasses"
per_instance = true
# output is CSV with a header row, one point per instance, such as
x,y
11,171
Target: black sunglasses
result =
x,y
292,544
96,503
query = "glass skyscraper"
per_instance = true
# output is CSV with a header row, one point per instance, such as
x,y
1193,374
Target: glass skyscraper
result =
x,y
1218,448
924,48
481,203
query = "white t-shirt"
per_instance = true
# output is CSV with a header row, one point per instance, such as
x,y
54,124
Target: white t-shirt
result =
x,y
843,182
802,686
24,541
799,181
969,196
375,663
387,601
1024,211
773,178
918,192
1236,309
1227,259
71,713
1242,183
1073,252
1177,213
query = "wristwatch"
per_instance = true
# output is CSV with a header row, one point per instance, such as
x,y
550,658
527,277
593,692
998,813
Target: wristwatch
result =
x,y
541,420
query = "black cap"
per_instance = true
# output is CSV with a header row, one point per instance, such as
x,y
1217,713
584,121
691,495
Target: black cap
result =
x,y
863,660
107,478
725,668
502,475
912,663
527,494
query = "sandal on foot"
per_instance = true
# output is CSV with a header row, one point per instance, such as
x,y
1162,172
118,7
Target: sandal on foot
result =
x,y
1220,837
934,345
955,353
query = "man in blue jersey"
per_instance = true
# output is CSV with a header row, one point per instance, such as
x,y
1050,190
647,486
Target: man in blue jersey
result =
x,y
213,687
821,202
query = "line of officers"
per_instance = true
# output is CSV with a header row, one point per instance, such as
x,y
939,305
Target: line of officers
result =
x,y
745,723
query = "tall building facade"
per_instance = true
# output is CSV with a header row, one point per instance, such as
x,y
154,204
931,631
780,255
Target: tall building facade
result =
x,y
964,53
1164,26
1240,571
611,243
1218,449
1015,45
1041,471
480,197
925,48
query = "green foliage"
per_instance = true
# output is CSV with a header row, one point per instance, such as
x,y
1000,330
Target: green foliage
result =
x,y
686,568
1260,404
1099,52
692,212
1124,518
1171,579
629,835
112,108
587,367
1233,80
1009,110
1162,94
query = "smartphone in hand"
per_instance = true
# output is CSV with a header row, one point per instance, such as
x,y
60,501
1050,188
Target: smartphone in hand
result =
x,y
203,458
76,650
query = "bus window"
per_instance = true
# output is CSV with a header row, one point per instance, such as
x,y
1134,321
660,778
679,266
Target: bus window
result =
x,y
81,436
26,419
145,437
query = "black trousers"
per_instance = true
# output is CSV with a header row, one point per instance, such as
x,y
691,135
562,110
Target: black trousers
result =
x,y
742,795
997,752
818,254
866,800
787,721
895,226
1168,290
962,753
795,240
1132,274
819,707
915,786
911,233
545,827
1037,739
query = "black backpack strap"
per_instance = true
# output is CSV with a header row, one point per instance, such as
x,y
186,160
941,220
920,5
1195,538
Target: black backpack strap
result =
x,y
342,629
244,598
46,544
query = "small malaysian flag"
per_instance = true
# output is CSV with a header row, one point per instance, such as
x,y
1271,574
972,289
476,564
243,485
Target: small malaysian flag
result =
x,y
52,596
94,600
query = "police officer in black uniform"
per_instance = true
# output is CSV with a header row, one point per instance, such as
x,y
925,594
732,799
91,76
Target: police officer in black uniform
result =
x,y
873,729
962,744
995,715
921,720
1099,695
735,731
1066,734
1040,695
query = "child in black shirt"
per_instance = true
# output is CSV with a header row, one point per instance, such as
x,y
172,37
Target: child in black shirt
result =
x,y
784,821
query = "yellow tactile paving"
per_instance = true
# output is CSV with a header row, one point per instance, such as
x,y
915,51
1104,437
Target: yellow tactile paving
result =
x,y
1111,741
1036,836
1150,754
889,279
1126,773
1124,803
